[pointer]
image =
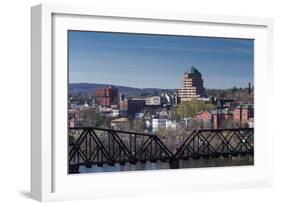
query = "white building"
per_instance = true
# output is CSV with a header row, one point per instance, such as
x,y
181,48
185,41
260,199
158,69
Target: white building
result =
x,y
115,113
171,125
85,105
158,123
118,113
164,124
104,109
251,122
154,100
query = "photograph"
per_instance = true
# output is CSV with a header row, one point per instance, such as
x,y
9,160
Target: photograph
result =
x,y
143,102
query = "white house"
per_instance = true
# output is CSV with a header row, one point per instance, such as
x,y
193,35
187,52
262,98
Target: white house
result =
x,y
118,113
115,113
158,123
171,124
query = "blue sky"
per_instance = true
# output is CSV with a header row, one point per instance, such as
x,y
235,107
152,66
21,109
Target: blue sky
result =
x,y
158,61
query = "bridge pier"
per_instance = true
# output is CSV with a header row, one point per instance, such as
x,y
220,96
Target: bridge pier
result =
x,y
174,164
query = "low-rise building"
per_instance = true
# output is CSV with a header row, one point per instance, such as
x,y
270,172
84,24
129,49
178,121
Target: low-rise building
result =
x,y
104,109
115,113
132,106
158,123
118,113
164,124
251,123
204,118
203,115
242,113
154,100
172,124
220,117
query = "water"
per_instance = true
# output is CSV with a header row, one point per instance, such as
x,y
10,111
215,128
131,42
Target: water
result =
x,y
212,162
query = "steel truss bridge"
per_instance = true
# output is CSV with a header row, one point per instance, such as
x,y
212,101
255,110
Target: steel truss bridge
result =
x,y
90,146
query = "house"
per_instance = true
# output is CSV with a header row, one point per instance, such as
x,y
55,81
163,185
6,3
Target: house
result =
x,y
118,113
204,118
203,115
158,123
172,124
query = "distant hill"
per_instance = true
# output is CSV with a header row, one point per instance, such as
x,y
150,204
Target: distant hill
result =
x,y
89,88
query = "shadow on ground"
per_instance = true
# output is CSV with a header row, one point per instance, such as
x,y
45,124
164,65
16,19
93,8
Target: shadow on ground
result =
x,y
25,193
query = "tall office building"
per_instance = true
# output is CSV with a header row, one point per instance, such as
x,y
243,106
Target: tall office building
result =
x,y
192,86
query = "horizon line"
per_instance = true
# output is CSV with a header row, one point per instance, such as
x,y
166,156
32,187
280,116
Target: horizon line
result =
x,y
252,85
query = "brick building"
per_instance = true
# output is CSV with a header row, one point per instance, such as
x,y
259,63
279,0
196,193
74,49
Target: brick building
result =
x,y
213,119
205,118
220,117
106,96
242,113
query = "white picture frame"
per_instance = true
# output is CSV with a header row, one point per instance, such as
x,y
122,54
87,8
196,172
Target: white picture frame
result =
x,y
49,179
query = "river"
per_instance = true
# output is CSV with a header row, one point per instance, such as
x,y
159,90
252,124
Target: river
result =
x,y
211,162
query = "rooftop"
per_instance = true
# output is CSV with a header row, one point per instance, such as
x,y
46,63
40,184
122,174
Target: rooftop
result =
x,y
245,106
221,111
193,70
120,120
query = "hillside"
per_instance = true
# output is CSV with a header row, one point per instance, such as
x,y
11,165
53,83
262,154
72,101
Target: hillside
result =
x,y
89,88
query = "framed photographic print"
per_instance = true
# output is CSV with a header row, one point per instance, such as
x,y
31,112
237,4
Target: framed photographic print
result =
x,y
138,102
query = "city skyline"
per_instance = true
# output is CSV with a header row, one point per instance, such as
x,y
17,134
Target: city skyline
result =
x,y
158,61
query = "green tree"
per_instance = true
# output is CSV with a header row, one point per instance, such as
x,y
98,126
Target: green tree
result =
x,y
190,108
209,106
